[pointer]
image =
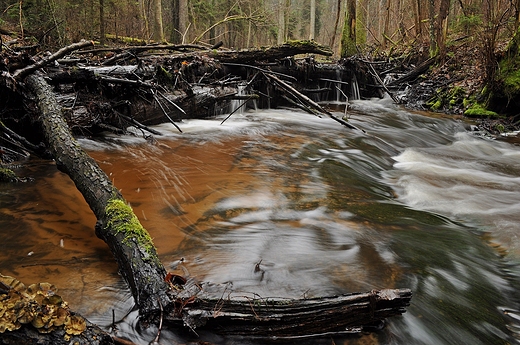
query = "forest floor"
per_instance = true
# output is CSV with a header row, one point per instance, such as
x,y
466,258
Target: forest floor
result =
x,y
447,88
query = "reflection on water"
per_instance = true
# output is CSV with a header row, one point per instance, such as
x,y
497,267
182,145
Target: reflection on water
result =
x,y
280,203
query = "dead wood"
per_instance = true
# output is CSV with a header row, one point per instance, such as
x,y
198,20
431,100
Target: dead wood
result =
x,y
308,103
380,82
413,74
117,226
286,318
21,73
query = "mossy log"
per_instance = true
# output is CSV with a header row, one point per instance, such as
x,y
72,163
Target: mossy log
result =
x,y
117,225
289,48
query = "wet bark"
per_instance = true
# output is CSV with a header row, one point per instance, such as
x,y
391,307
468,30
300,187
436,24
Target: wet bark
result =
x,y
292,318
138,262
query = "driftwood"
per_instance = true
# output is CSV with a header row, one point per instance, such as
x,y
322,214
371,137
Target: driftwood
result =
x,y
21,73
413,74
287,318
290,48
380,82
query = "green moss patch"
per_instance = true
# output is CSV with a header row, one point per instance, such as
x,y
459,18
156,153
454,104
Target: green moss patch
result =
x,y
7,175
122,219
478,110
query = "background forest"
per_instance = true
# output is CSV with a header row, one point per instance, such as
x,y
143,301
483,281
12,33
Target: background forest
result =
x,y
470,35
373,25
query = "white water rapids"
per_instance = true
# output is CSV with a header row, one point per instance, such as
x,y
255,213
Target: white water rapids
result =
x,y
416,201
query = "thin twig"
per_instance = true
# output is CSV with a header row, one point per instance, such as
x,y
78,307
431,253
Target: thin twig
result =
x,y
165,113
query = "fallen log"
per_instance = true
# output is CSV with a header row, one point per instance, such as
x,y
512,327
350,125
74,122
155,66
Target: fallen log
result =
x,y
413,74
21,73
285,318
288,49
117,225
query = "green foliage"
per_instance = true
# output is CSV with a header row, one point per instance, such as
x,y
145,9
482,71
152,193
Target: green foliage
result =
x,y
507,81
470,23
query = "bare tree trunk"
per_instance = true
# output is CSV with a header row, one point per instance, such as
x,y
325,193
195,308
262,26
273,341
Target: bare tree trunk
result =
x,y
101,22
146,20
433,42
348,36
183,19
442,27
418,21
158,30
387,23
336,23
180,21
281,22
313,20
361,24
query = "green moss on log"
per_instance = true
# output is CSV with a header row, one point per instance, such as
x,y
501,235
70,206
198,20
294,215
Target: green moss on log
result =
x,y
122,219
7,175
309,45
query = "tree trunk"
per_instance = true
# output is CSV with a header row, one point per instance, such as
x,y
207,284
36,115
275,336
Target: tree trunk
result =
x,y
433,41
183,19
361,24
158,31
336,24
313,20
101,22
348,36
281,22
442,27
117,225
387,23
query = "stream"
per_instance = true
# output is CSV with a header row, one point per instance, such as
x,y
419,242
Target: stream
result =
x,y
416,202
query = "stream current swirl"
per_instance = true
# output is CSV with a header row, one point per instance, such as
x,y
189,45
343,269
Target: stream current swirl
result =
x,y
416,201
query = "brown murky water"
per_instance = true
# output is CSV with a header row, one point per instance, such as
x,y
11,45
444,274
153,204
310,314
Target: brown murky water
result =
x,y
324,210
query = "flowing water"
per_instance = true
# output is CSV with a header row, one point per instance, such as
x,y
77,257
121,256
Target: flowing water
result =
x,y
416,202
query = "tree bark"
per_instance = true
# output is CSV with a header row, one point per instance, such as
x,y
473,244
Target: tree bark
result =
x,y
290,318
102,22
280,38
348,36
158,30
313,20
117,226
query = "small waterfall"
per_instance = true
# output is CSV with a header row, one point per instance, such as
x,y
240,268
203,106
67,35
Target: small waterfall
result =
x,y
338,86
354,91
237,105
